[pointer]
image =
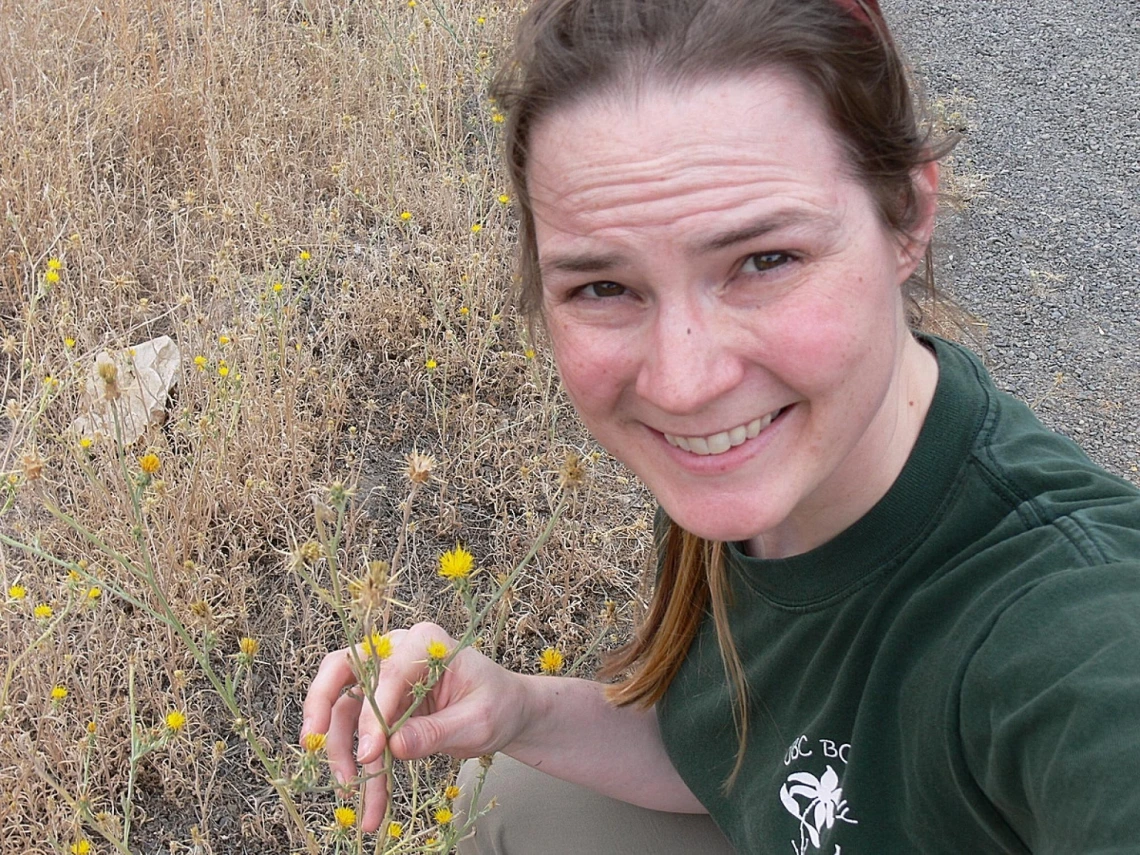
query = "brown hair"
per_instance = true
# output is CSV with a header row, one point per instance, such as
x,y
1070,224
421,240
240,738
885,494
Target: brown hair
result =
x,y
840,50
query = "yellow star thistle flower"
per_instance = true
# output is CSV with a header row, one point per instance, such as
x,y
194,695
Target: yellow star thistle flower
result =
x,y
498,118
437,651
304,255
249,646
86,442
456,564
81,847
200,361
443,816
313,742
377,645
431,365
476,228
550,660
405,215
504,199
345,817
451,793
43,611
69,342
223,339
150,463
94,593
175,720
54,264
278,287
17,592
395,830
58,693
51,277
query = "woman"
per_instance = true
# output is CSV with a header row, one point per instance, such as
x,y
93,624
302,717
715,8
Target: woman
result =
x,y
893,612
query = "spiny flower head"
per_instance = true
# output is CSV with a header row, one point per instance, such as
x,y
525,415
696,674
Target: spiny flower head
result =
x,y
304,255
377,645
81,847
395,830
94,593
42,611
451,793
419,467
58,693
345,817
200,362
175,720
443,816
431,365
405,215
456,564
248,646
550,660
313,742
437,651
86,442
150,463
17,592
54,264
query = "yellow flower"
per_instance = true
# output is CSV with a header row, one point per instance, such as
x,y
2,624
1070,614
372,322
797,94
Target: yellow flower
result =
x,y
94,593
498,118
411,4
17,592
91,727
278,287
149,463
303,255
69,342
476,228
54,264
42,611
223,339
456,564
58,693
377,645
81,847
451,793
480,21
175,721
313,742
405,215
443,816
223,369
200,361
464,311
550,660
529,353
345,817
431,365
86,442
51,277
249,646
437,650
395,830
504,199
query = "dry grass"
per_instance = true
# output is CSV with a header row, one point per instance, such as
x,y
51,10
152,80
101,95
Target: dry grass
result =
x,y
177,159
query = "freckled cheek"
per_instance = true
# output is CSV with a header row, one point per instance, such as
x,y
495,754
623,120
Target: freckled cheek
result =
x,y
594,369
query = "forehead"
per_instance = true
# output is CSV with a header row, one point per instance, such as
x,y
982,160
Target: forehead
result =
x,y
667,156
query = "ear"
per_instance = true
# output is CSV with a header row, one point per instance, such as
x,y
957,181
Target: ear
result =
x,y
913,246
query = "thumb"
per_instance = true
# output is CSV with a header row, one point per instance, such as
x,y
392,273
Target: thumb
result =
x,y
448,731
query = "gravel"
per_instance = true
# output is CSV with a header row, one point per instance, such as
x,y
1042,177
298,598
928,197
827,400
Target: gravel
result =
x,y
1046,252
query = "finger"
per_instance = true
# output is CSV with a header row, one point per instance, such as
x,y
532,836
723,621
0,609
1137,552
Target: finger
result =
x,y
457,730
338,745
332,677
375,795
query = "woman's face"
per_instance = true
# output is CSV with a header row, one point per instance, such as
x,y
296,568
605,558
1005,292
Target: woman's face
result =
x,y
725,308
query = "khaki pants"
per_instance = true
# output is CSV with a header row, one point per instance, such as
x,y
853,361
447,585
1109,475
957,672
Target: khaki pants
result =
x,y
536,814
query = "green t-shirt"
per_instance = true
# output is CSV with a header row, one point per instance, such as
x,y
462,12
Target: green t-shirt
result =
x,y
958,672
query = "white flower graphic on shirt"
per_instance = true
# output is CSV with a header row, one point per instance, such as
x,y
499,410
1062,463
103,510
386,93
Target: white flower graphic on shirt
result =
x,y
825,804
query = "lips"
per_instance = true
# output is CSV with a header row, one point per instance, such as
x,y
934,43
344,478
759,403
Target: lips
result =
x,y
718,443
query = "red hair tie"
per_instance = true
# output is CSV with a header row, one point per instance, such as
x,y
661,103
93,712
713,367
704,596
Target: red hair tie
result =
x,y
859,10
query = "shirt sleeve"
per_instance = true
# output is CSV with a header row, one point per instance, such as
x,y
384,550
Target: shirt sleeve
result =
x,y
1050,712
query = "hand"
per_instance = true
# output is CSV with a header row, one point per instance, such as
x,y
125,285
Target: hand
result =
x,y
476,707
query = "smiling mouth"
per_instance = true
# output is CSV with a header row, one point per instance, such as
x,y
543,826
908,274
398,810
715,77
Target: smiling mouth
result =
x,y
721,442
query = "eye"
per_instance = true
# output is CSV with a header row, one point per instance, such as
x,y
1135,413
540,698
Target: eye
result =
x,y
763,261
600,290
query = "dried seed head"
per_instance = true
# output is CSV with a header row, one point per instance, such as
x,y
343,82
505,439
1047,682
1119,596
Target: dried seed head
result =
x,y
419,467
33,464
572,475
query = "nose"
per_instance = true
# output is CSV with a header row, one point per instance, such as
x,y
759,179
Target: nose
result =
x,y
689,361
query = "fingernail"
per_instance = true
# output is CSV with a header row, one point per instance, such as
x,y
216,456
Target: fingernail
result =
x,y
364,749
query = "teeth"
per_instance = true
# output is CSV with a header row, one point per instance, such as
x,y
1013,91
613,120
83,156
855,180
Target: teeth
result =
x,y
721,442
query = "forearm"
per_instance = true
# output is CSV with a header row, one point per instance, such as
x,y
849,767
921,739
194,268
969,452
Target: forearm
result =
x,y
574,733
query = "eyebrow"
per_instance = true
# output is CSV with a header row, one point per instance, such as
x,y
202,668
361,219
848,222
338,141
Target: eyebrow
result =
x,y
588,262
